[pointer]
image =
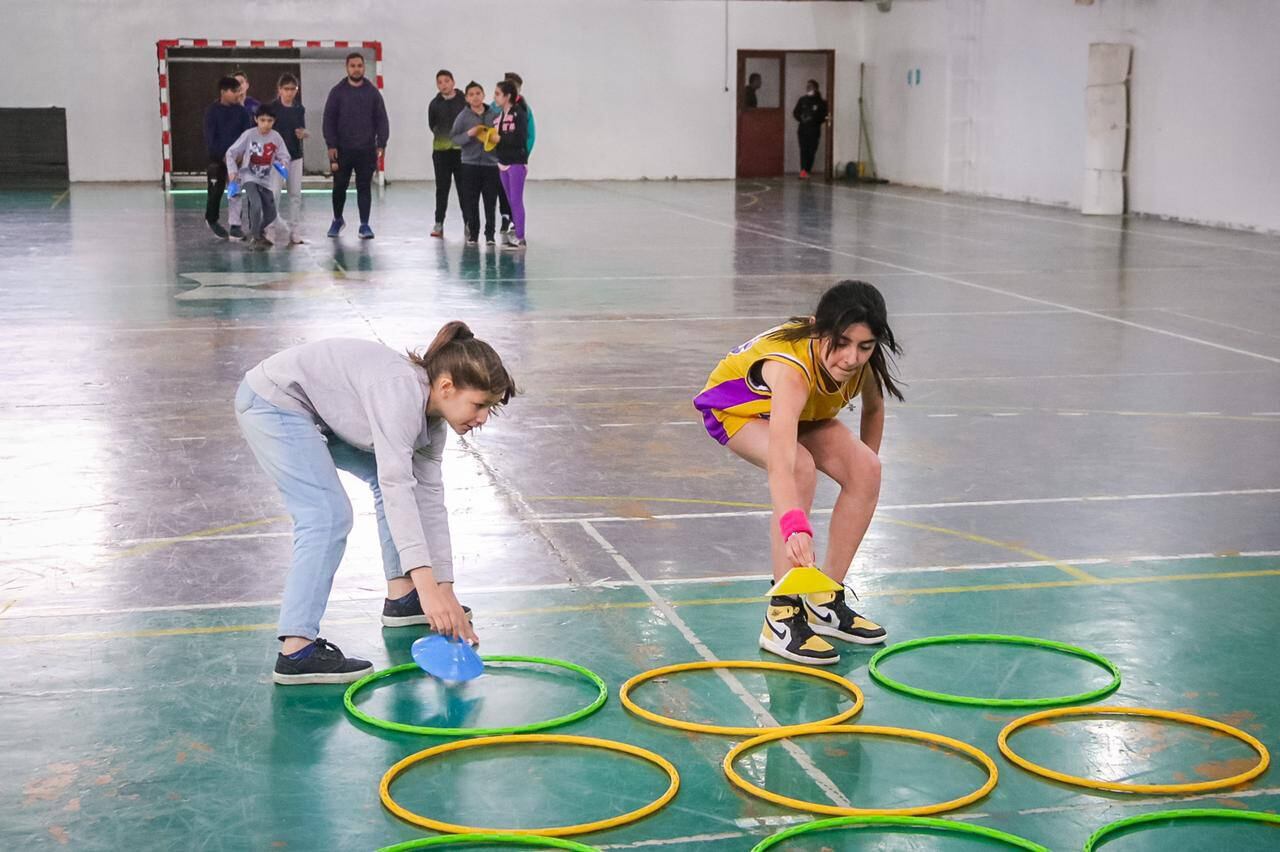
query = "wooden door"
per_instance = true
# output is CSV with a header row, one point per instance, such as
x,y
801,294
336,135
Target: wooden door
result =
x,y
762,116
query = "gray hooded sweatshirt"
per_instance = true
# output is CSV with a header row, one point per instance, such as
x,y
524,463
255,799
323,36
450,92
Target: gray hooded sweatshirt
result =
x,y
375,399
473,152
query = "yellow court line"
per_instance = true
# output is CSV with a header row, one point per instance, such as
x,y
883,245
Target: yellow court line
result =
x,y
158,543
1066,568
1071,570
569,608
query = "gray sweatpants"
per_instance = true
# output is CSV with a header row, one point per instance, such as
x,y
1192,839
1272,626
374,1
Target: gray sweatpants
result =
x,y
260,205
289,229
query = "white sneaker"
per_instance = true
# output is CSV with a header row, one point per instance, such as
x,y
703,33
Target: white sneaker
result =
x,y
829,614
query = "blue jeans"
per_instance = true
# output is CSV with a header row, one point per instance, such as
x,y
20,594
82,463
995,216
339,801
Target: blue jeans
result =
x,y
304,464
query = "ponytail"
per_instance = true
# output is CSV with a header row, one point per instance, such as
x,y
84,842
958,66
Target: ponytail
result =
x,y
468,361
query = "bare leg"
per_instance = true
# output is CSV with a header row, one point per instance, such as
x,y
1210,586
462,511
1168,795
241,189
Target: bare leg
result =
x,y
838,453
751,442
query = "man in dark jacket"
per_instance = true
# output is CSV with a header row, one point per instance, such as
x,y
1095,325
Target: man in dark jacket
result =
x,y
224,120
355,132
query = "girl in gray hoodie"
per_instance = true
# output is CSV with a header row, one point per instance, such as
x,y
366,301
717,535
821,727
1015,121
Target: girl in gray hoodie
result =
x,y
362,407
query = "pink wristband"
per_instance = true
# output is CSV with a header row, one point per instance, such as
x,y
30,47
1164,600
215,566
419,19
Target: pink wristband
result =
x,y
794,521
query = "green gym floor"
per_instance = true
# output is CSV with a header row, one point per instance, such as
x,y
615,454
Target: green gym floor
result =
x,y
1088,453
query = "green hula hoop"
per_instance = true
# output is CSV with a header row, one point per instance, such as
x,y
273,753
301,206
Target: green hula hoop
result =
x,y
495,839
1099,836
926,823
873,668
348,699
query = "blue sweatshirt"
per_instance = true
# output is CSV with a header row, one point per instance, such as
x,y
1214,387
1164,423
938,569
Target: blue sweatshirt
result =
x,y
223,124
355,118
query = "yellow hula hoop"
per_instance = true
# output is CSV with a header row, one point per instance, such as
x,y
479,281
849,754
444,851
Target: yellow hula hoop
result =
x,y
964,748
728,730
384,788
1264,757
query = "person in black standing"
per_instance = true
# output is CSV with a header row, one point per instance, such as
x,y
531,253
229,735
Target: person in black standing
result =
x,y
479,178
356,130
811,113
291,124
446,156
504,204
749,98
224,120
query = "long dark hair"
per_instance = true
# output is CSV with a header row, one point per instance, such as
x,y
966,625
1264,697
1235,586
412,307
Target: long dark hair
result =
x,y
509,89
469,361
846,304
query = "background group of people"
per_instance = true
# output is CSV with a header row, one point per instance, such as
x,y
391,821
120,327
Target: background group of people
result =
x,y
255,149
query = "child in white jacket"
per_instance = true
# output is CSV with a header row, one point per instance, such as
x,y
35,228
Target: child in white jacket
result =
x,y
249,164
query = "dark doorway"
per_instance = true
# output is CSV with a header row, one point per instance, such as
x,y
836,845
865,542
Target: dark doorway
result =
x,y
193,85
35,146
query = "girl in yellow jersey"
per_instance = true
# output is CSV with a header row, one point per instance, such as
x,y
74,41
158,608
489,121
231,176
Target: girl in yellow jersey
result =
x,y
773,401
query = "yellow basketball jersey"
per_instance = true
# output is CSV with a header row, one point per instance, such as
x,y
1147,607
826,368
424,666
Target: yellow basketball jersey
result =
x,y
736,393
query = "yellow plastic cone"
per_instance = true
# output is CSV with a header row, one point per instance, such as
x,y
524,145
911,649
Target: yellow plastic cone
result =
x,y
804,581
485,135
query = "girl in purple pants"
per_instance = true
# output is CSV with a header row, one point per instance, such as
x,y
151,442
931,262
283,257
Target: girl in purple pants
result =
x,y
513,155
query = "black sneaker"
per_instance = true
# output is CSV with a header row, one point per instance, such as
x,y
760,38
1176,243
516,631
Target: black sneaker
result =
x,y
218,231
325,664
407,611
787,633
236,232
506,224
830,614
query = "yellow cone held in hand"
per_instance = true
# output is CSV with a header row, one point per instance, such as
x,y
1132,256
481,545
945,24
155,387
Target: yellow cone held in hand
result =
x,y
804,581
486,135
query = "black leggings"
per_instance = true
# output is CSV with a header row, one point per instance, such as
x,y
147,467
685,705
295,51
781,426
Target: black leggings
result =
x,y
810,136
448,168
217,172
364,164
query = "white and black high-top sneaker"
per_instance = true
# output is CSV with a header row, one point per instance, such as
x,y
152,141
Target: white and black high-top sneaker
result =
x,y
830,614
787,633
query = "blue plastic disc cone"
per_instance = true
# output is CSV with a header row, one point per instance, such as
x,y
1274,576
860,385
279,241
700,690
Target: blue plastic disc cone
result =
x,y
445,659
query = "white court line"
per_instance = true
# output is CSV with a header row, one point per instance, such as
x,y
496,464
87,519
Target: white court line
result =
x,y
697,383
605,583
1215,322
974,285
942,504
1128,232
886,507
757,709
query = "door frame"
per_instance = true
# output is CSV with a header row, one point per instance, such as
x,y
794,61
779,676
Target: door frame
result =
x,y
781,55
